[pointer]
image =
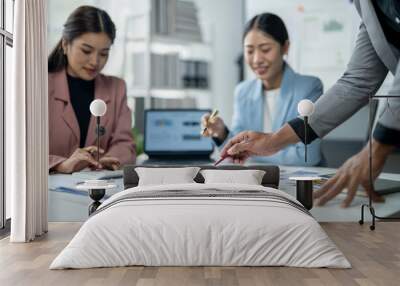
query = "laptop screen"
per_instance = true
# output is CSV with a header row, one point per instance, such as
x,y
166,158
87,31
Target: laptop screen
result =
x,y
175,131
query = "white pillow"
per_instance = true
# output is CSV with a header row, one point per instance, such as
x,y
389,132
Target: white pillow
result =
x,y
248,177
164,176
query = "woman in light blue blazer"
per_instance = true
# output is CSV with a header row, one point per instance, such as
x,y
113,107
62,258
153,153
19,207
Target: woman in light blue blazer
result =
x,y
270,100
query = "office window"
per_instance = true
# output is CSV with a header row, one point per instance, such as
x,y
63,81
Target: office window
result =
x,y
6,43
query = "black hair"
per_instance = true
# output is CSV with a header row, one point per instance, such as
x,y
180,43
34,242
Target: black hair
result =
x,y
84,19
270,24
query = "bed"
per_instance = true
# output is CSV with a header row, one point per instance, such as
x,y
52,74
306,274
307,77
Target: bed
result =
x,y
198,224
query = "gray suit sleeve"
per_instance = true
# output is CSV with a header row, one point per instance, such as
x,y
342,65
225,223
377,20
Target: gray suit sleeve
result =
x,y
387,131
364,75
391,116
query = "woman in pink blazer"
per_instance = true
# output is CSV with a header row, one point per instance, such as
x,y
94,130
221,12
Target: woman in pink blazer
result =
x,y
74,82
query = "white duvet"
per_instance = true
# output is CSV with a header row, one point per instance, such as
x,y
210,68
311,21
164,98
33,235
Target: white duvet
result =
x,y
183,231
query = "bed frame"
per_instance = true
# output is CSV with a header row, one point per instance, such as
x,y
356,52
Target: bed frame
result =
x,y
270,179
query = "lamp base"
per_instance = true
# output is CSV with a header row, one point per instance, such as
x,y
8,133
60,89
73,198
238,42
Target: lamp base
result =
x,y
374,216
304,193
304,190
96,195
372,211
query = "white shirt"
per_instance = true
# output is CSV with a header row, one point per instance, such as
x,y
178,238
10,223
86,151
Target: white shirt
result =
x,y
270,100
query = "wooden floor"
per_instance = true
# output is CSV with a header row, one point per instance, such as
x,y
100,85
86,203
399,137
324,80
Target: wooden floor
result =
x,y
374,255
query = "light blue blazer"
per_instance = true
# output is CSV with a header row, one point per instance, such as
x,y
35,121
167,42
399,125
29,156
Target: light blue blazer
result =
x,y
248,114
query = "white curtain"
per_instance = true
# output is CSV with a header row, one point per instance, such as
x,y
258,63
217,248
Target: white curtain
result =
x,y
27,123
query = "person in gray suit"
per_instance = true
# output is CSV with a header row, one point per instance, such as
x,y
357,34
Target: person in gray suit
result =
x,y
376,53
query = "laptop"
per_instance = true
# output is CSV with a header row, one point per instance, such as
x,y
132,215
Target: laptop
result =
x,y
173,136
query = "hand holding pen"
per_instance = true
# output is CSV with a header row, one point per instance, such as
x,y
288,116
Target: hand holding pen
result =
x,y
213,126
207,120
249,143
222,158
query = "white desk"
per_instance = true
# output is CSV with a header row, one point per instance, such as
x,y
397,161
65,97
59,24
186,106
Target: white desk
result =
x,y
66,202
67,206
332,210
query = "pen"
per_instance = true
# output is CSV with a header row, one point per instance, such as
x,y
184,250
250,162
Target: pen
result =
x,y
220,160
212,116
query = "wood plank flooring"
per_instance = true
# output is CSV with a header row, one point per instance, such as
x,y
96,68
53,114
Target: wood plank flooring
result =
x,y
375,257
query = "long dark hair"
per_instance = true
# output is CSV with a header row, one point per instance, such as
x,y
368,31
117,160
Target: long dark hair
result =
x,y
84,19
269,24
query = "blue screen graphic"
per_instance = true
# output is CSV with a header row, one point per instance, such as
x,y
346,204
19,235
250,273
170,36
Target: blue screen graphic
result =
x,y
175,131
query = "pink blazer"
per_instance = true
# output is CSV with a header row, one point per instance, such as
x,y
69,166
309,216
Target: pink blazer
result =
x,y
64,134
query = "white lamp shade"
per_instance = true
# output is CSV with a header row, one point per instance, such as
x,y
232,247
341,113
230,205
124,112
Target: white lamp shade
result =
x,y
98,107
305,107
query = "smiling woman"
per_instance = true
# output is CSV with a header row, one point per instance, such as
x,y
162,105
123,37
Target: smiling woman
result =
x,y
266,103
87,55
75,80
